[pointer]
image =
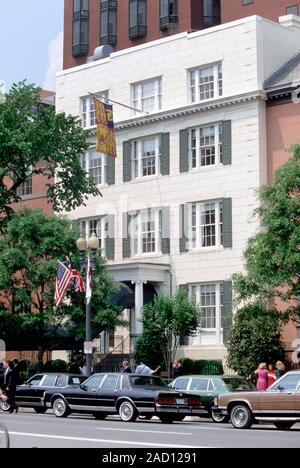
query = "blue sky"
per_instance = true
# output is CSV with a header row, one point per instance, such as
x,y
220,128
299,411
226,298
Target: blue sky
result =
x,y
30,41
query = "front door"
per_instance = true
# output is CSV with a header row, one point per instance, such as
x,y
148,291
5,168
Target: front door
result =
x,y
27,394
85,397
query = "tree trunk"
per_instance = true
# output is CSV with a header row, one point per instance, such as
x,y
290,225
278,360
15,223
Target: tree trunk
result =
x,y
40,359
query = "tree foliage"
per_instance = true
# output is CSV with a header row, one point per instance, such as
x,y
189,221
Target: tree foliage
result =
x,y
35,139
29,250
166,320
272,257
255,337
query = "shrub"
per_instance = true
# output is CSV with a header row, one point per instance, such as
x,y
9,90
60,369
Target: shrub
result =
x,y
58,365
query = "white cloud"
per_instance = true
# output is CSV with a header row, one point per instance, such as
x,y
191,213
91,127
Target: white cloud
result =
x,y
55,61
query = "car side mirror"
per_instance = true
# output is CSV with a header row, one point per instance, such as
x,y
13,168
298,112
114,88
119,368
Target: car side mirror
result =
x,y
82,386
280,388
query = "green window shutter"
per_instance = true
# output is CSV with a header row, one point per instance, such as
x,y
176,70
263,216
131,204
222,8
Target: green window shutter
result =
x,y
127,161
227,310
183,226
126,236
165,154
227,223
165,230
227,143
110,239
110,170
184,150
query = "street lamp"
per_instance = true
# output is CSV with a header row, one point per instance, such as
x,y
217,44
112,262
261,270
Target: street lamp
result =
x,y
91,246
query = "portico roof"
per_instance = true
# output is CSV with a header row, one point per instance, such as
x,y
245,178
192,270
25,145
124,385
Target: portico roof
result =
x,y
139,271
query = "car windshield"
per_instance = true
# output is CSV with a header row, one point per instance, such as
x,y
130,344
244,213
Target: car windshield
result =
x,y
146,381
236,384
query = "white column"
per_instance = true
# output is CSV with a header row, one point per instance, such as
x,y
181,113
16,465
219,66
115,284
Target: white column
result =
x,y
139,302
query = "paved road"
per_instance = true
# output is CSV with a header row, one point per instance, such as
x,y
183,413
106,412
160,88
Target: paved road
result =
x,y
28,429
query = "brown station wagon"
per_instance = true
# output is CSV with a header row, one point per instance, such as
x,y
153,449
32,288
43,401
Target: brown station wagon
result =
x,y
280,404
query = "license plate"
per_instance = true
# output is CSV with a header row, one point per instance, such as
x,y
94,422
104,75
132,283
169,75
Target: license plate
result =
x,y
180,401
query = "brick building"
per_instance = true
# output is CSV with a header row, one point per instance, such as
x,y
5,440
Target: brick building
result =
x,y
128,23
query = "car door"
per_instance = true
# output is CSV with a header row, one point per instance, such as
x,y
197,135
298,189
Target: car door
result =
x,y
85,396
297,400
204,388
47,383
27,394
279,400
109,392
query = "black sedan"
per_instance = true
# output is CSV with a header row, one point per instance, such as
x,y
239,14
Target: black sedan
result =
x,y
128,395
31,393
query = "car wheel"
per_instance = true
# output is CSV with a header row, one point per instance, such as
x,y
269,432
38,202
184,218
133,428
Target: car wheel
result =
x,y
99,416
127,411
241,417
60,408
5,406
40,410
284,425
219,418
165,419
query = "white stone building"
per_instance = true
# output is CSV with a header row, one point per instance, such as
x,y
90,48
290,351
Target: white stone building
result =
x,y
186,172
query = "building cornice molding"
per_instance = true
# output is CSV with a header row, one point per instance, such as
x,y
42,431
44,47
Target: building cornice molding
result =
x,y
189,110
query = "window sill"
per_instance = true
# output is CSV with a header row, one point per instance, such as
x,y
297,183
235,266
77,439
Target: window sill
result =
x,y
139,180
203,101
212,167
152,255
207,250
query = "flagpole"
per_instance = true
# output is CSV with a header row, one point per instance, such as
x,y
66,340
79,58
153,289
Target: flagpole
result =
x,y
119,103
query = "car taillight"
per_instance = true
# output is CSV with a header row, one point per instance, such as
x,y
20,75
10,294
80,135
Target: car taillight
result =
x,y
194,401
165,400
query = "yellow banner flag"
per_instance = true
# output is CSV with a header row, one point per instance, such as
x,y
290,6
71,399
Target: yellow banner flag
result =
x,y
106,137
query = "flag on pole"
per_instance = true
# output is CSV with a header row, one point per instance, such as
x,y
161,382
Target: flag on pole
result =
x,y
77,280
88,294
63,279
106,137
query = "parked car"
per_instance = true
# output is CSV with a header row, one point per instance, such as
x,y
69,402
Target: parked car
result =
x,y
128,395
208,387
279,404
31,393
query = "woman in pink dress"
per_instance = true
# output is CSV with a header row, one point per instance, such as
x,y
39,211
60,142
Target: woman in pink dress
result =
x,y
263,374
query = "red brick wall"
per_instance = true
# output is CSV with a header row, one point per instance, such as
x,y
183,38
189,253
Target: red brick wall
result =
x,y
271,9
153,31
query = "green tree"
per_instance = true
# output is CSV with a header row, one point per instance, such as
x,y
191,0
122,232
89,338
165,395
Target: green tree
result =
x,y
166,320
35,139
255,337
272,257
29,249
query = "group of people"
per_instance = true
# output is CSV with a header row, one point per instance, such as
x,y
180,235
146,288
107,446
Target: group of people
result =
x,y
9,379
268,374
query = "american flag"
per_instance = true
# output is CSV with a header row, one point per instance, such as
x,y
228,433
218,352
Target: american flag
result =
x,y
63,279
77,281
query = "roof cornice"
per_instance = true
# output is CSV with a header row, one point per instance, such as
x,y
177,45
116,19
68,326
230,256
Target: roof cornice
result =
x,y
191,109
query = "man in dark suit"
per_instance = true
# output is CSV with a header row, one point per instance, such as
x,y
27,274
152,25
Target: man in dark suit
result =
x,y
126,367
10,385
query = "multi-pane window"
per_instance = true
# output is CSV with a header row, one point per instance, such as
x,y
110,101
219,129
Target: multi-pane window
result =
x,y
94,225
205,146
80,33
145,157
108,22
206,83
210,299
168,12
206,224
95,164
137,19
211,12
146,232
146,96
87,109
26,188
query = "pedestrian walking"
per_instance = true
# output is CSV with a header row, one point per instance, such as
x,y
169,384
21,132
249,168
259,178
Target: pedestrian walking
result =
x,y
262,374
126,367
10,386
177,369
271,375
